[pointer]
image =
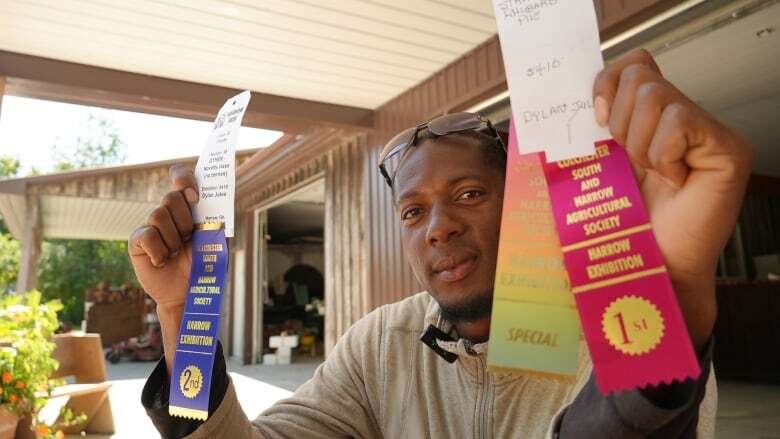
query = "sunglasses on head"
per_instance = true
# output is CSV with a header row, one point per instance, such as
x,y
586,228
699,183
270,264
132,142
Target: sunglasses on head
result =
x,y
440,126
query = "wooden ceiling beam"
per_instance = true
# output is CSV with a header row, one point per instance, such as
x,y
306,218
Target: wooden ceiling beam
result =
x,y
44,78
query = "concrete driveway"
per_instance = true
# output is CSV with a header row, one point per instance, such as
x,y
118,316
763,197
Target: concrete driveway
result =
x,y
745,411
258,388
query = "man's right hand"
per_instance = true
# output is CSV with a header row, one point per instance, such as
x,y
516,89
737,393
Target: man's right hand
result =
x,y
160,249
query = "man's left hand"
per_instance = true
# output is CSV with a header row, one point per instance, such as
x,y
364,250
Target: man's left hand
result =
x,y
692,172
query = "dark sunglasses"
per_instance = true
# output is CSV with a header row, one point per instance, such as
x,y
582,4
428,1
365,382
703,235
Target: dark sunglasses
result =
x,y
440,126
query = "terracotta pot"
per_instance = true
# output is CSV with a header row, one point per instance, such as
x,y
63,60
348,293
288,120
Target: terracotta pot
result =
x,y
24,429
8,422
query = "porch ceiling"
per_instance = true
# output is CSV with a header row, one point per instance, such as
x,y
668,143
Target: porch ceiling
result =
x,y
359,53
70,217
732,69
91,218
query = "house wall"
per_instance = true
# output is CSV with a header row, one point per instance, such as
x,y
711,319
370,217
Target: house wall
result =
x,y
345,245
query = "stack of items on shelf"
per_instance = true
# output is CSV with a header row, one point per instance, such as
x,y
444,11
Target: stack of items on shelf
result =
x,y
126,320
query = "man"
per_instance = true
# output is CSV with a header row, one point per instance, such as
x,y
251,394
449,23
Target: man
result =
x,y
381,381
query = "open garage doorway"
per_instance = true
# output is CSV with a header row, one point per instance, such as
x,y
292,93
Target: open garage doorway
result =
x,y
290,277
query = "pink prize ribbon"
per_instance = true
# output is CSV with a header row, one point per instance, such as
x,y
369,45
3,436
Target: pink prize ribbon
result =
x,y
635,331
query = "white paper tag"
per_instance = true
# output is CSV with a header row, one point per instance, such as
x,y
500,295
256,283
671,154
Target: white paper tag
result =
x,y
551,55
216,168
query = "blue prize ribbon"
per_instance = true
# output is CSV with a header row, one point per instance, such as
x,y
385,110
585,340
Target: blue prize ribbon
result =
x,y
197,342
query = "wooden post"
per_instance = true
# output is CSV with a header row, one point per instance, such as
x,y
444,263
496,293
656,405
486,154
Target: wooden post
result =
x,y
2,92
31,246
332,281
249,230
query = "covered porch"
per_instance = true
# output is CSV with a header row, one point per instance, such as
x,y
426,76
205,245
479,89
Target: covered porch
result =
x,y
338,78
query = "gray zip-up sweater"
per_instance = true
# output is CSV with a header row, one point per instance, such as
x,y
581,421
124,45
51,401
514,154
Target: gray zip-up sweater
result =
x,y
381,381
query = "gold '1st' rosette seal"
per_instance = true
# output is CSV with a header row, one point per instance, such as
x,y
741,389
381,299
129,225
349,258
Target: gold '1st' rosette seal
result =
x,y
633,325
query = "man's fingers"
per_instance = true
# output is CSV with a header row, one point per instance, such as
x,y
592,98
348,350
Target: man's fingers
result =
x,y
183,180
650,101
180,213
169,225
632,77
606,84
161,219
146,241
670,144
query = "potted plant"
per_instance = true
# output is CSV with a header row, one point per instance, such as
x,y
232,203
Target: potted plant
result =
x,y
26,363
8,423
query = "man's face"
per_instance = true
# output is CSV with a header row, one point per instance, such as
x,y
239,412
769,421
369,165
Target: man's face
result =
x,y
449,203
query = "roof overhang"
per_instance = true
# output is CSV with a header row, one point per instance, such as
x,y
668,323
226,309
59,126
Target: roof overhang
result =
x,y
43,78
103,204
